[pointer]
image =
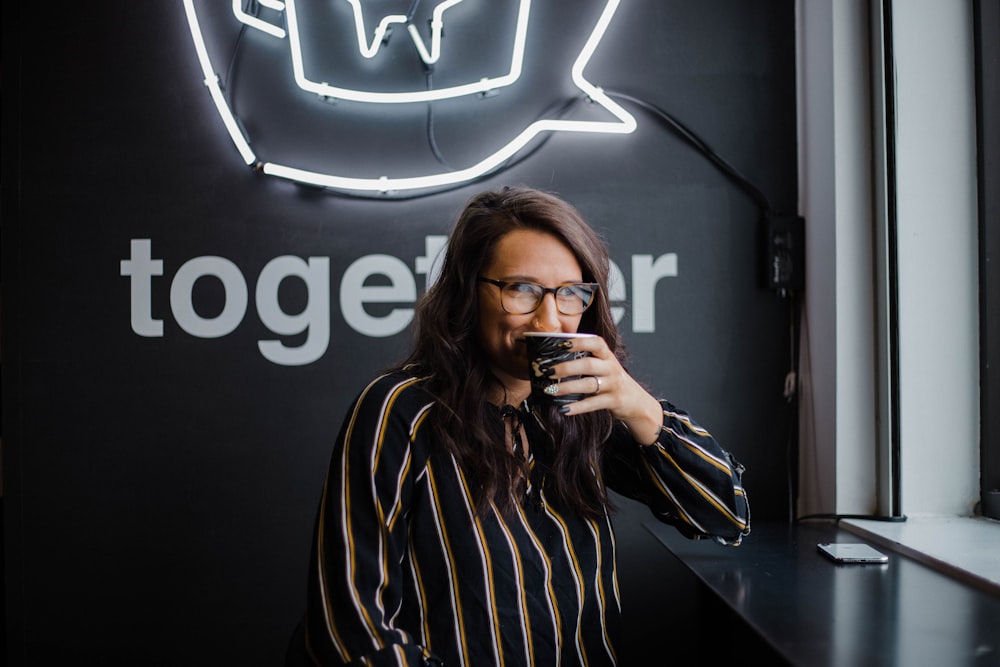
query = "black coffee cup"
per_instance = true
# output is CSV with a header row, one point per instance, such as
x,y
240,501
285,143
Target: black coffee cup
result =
x,y
548,349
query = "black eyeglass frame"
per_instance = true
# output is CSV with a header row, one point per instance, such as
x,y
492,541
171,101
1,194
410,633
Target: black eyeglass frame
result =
x,y
554,291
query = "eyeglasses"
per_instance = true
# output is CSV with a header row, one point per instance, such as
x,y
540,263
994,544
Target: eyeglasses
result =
x,y
524,298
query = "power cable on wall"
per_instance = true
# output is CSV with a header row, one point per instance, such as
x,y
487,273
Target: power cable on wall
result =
x,y
701,146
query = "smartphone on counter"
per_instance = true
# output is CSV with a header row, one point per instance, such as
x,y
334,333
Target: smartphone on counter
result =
x,y
851,552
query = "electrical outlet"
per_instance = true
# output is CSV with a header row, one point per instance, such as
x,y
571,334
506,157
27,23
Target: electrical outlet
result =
x,y
783,252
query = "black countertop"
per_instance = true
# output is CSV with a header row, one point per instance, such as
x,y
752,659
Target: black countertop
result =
x,y
815,612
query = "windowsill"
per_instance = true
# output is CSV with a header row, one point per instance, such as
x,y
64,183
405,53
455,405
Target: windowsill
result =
x,y
963,547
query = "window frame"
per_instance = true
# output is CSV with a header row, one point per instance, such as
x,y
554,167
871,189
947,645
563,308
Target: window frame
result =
x,y
986,26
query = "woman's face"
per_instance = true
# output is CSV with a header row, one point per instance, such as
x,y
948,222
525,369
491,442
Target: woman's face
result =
x,y
523,255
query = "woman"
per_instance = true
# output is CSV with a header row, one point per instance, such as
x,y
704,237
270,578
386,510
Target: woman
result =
x,y
460,522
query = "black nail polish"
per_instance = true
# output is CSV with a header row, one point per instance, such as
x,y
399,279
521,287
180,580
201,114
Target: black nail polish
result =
x,y
564,409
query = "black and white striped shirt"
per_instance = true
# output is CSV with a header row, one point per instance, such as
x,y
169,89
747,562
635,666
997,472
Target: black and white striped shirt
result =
x,y
406,572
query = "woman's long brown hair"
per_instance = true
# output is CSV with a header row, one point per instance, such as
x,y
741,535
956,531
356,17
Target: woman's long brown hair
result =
x,y
448,352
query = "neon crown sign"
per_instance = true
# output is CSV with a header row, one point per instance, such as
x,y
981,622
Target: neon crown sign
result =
x,y
288,26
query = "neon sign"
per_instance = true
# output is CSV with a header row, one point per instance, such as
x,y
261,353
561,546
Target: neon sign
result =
x,y
289,26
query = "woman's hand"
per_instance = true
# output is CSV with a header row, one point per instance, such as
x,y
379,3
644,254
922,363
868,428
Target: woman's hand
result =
x,y
607,386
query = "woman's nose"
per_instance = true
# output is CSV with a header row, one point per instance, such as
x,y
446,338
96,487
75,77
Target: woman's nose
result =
x,y
547,314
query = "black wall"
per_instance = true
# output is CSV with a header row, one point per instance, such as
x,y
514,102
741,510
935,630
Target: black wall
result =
x,y
159,491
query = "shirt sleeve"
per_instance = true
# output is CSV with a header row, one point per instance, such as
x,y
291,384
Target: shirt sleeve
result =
x,y
685,478
356,577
